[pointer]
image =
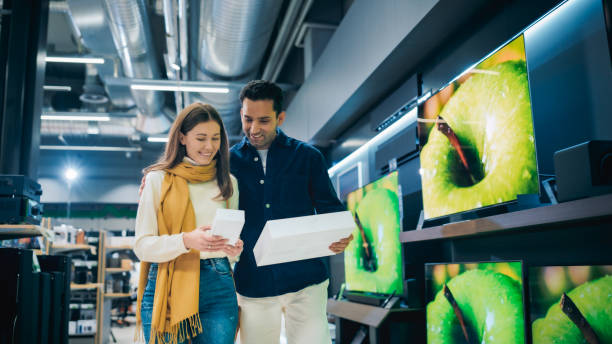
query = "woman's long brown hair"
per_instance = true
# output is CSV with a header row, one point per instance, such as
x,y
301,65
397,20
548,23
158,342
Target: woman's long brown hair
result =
x,y
174,153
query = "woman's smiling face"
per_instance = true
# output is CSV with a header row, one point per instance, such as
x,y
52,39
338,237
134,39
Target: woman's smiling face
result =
x,y
202,142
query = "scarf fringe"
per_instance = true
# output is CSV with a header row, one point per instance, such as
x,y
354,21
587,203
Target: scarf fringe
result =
x,y
182,331
138,334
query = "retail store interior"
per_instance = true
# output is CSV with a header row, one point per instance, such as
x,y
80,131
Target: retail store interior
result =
x,y
470,141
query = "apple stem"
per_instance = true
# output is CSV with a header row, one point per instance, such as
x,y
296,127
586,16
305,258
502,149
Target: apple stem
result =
x,y
451,299
370,264
445,129
573,313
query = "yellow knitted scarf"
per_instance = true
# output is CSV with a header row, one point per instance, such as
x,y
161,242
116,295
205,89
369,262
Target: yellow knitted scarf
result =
x,y
175,306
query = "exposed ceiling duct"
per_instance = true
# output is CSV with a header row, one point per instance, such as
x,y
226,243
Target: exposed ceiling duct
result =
x,y
227,41
232,38
112,28
130,28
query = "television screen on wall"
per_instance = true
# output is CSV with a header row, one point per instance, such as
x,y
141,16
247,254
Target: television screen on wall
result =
x,y
571,304
476,137
373,260
475,302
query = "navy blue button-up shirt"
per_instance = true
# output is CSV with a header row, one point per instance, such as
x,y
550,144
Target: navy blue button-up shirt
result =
x,y
296,183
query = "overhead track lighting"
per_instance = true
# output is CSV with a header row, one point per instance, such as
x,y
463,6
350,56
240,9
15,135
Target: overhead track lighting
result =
x,y
157,139
179,88
71,59
57,88
78,116
91,148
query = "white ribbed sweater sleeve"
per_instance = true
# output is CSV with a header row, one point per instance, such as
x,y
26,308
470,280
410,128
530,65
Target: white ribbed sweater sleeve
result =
x,y
149,245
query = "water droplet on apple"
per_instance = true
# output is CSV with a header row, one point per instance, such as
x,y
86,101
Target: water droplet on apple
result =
x,y
526,174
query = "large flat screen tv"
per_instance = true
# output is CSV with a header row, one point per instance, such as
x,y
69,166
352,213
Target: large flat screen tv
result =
x,y
571,304
476,137
373,260
475,302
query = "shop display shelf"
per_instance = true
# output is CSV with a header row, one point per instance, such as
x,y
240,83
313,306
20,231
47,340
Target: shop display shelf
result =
x,y
75,286
364,314
117,270
119,248
540,218
24,231
117,295
55,248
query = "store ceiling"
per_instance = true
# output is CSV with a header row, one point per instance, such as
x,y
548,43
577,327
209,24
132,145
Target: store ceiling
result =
x,y
198,43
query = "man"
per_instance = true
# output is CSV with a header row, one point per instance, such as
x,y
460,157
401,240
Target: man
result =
x,y
279,177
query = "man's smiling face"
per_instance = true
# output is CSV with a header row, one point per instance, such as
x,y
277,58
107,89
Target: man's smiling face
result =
x,y
259,122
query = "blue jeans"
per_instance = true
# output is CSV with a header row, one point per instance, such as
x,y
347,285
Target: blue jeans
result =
x,y
218,304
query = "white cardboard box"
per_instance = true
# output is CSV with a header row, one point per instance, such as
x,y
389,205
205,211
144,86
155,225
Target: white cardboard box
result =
x,y
228,223
300,238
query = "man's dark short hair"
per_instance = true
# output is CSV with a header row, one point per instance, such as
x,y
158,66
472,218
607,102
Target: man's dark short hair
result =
x,y
263,90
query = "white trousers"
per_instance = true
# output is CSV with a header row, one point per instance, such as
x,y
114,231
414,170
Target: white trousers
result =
x,y
305,313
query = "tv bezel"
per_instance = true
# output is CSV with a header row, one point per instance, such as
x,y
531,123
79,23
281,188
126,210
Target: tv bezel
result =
x,y
524,277
402,264
421,105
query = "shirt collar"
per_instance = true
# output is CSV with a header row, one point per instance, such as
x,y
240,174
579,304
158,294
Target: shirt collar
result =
x,y
280,139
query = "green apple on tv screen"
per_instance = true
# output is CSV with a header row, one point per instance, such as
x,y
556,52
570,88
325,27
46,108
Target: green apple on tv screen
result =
x,y
475,303
558,293
476,137
373,260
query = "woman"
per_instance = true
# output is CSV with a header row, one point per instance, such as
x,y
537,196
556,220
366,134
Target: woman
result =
x,y
186,290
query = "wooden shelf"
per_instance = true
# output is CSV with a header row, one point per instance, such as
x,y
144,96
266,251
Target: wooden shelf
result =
x,y
24,231
72,247
361,313
78,335
118,248
117,270
117,295
584,209
74,286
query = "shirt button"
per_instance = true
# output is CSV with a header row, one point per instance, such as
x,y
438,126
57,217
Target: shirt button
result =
x,y
267,205
256,159
261,181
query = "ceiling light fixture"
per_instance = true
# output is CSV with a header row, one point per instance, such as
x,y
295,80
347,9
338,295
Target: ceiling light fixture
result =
x,y
74,117
91,148
67,59
57,88
179,88
157,139
381,137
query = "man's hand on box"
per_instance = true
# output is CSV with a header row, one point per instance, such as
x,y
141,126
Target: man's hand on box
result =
x,y
233,250
340,246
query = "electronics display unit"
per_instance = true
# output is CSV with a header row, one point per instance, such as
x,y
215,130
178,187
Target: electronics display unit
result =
x,y
571,304
480,302
476,137
373,260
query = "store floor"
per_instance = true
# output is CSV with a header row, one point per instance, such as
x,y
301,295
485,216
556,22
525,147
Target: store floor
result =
x,y
125,335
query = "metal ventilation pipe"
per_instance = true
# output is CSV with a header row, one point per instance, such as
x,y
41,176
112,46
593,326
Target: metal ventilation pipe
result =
x,y
232,38
129,26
